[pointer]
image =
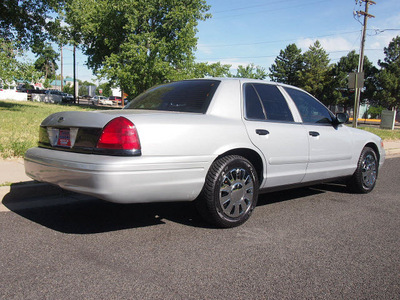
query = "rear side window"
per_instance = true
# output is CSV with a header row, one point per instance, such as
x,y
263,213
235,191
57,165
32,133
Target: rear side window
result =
x,y
311,110
182,96
266,102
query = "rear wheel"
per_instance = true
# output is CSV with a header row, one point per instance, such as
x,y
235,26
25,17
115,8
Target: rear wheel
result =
x,y
364,178
230,192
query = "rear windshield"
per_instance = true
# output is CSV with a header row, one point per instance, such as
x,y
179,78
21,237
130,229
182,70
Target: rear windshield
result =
x,y
183,96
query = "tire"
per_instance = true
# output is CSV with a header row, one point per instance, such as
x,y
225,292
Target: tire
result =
x,y
230,192
364,178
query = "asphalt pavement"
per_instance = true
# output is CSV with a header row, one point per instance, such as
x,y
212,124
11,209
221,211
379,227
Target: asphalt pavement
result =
x,y
318,242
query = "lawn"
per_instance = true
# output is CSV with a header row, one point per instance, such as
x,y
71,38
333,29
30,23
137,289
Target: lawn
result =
x,y
19,124
384,133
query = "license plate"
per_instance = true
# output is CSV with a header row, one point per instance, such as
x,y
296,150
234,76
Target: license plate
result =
x,y
64,138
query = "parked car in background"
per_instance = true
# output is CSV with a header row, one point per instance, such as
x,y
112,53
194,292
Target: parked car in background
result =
x,y
36,91
218,142
54,92
68,98
101,100
115,99
23,88
54,96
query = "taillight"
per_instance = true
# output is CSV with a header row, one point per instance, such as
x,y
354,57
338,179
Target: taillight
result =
x,y
119,134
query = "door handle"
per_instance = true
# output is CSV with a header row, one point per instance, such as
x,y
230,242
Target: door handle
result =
x,y
262,131
313,133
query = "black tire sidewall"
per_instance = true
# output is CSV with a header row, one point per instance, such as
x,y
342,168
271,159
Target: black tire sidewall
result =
x,y
225,165
357,179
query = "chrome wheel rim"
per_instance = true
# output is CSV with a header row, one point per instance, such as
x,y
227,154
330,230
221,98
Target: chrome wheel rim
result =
x,y
236,192
368,170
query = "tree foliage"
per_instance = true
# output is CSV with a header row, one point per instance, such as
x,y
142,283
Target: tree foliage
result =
x,y
29,22
8,61
69,89
106,90
389,76
203,69
340,71
250,71
314,75
11,68
287,66
46,61
137,44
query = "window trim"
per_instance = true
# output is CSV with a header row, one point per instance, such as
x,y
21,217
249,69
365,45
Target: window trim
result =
x,y
284,87
290,107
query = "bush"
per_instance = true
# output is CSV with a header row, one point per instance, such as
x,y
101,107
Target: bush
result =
x,y
375,112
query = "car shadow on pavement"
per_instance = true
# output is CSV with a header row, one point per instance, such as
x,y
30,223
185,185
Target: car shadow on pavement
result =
x,y
302,192
79,214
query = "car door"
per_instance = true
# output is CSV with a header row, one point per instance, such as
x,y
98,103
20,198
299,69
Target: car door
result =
x,y
330,144
272,129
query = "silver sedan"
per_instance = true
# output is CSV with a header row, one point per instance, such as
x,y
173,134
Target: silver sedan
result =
x,y
218,142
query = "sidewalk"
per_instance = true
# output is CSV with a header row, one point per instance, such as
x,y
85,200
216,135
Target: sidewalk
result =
x,y
13,178
14,181
392,148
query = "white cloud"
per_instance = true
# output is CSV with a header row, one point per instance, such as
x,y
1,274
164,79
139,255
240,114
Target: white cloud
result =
x,y
330,44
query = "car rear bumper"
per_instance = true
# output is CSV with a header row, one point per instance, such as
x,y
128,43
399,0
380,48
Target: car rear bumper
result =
x,y
120,179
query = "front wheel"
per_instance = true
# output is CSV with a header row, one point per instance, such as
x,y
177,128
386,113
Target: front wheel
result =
x,y
230,192
364,178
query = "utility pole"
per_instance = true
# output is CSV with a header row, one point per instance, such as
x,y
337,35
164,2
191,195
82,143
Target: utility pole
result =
x,y
74,74
361,61
62,75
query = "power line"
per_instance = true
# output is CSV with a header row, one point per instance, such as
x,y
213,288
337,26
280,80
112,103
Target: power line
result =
x,y
271,10
275,55
377,31
280,41
249,6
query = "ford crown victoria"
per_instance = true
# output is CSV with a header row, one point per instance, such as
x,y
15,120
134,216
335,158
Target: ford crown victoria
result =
x,y
218,142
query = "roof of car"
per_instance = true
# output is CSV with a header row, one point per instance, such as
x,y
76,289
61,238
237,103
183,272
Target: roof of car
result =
x,y
246,80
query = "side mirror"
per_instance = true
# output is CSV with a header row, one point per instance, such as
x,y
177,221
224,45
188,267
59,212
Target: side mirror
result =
x,y
341,118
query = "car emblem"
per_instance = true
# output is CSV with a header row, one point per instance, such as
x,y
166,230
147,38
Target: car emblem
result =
x,y
61,119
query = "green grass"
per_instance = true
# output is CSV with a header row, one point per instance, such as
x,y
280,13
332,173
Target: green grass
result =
x,y
385,134
19,124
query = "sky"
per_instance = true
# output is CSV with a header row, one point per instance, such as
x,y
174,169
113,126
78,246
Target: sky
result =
x,y
241,32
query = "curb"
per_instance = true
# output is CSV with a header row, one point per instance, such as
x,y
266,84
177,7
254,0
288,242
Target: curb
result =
x,y
390,153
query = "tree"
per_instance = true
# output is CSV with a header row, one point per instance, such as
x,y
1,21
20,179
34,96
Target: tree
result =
x,y
8,61
69,89
27,72
13,69
287,66
84,87
106,90
340,74
314,76
203,69
389,76
250,71
46,61
137,44
29,22
83,90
